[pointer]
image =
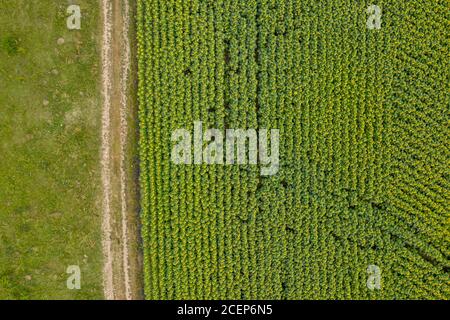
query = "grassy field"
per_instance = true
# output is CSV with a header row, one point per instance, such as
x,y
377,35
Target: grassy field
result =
x,y
49,150
363,183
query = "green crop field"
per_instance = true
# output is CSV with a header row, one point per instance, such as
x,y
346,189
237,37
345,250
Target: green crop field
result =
x,y
359,205
49,151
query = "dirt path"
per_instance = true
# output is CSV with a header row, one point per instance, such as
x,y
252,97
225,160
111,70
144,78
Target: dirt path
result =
x,y
121,272
106,150
123,141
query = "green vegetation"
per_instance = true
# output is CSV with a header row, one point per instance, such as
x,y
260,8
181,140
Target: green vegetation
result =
x,y
363,118
49,151
11,45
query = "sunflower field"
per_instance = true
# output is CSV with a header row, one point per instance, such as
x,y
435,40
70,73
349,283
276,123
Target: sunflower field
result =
x,y
360,205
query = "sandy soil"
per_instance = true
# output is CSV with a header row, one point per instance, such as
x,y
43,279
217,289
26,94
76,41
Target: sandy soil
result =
x,y
106,149
123,141
121,264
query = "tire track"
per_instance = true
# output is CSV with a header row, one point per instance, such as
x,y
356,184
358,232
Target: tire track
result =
x,y
123,141
106,53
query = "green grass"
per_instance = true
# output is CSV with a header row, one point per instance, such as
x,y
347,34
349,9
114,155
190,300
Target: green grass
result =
x,y
49,153
363,117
